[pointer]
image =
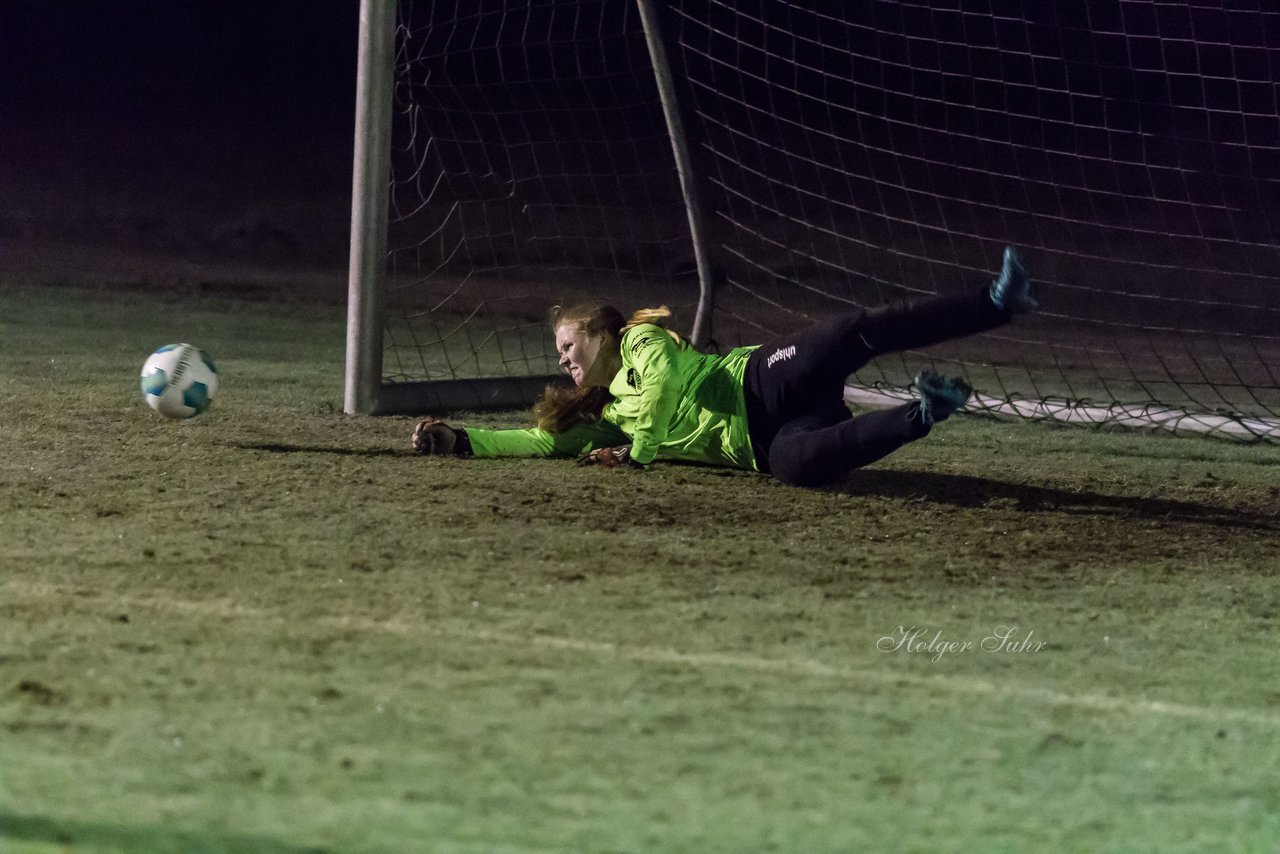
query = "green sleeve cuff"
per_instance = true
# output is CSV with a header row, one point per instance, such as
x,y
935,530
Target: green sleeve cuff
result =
x,y
644,452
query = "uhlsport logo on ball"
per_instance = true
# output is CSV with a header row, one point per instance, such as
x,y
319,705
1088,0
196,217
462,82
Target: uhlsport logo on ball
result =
x,y
179,381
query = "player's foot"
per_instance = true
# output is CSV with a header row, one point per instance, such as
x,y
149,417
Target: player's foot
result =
x,y
940,396
1013,289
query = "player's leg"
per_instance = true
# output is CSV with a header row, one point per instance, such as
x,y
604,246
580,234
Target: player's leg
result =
x,y
917,323
816,449
803,371
826,445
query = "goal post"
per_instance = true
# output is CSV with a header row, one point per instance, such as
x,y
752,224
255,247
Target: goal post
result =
x,y
371,175
365,391
759,166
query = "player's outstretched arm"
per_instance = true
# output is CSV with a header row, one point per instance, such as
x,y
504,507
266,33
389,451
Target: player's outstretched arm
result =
x,y
434,437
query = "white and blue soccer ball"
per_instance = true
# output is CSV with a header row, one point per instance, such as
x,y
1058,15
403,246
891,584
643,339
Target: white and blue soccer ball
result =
x,y
179,381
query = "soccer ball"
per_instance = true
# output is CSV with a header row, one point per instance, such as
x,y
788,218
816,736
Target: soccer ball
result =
x,y
179,381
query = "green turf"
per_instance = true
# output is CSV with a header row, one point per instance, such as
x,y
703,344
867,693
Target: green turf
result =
x,y
271,629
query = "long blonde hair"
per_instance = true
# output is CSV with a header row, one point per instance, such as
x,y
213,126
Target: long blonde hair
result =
x,y
562,407
658,316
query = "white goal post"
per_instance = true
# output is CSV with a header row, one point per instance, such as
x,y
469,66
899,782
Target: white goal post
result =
x,y
375,78
760,165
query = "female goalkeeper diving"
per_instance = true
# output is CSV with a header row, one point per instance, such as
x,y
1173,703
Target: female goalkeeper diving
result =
x,y
641,393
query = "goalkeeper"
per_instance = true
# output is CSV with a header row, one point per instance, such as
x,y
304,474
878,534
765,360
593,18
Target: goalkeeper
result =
x,y
641,393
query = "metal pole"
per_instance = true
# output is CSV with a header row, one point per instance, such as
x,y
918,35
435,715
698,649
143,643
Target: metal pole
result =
x,y
684,168
370,188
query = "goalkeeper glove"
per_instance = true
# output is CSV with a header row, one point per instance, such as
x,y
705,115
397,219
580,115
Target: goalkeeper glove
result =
x,y
610,458
432,437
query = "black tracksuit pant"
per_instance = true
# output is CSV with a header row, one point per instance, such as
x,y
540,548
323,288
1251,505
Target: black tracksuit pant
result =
x,y
800,428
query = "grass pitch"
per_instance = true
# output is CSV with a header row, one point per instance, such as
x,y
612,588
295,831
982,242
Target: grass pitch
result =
x,y
272,629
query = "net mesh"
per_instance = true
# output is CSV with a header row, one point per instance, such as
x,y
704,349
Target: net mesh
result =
x,y
852,156
531,168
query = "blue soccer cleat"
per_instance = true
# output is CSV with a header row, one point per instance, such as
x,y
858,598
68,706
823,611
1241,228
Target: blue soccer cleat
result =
x,y
1013,289
940,396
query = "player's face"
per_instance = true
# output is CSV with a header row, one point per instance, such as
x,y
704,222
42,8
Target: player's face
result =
x,y
579,353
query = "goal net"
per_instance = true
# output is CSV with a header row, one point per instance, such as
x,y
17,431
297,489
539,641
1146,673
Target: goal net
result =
x,y
847,155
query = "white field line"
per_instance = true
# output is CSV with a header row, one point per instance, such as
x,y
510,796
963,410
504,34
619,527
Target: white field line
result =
x,y
964,685
1137,707
1139,416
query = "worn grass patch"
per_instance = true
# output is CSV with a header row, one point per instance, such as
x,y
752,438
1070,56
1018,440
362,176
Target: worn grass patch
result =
x,y
272,629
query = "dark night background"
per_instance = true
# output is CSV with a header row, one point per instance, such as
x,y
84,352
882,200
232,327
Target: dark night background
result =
x,y
140,138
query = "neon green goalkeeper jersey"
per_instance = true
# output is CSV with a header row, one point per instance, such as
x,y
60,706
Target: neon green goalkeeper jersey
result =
x,y
670,402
